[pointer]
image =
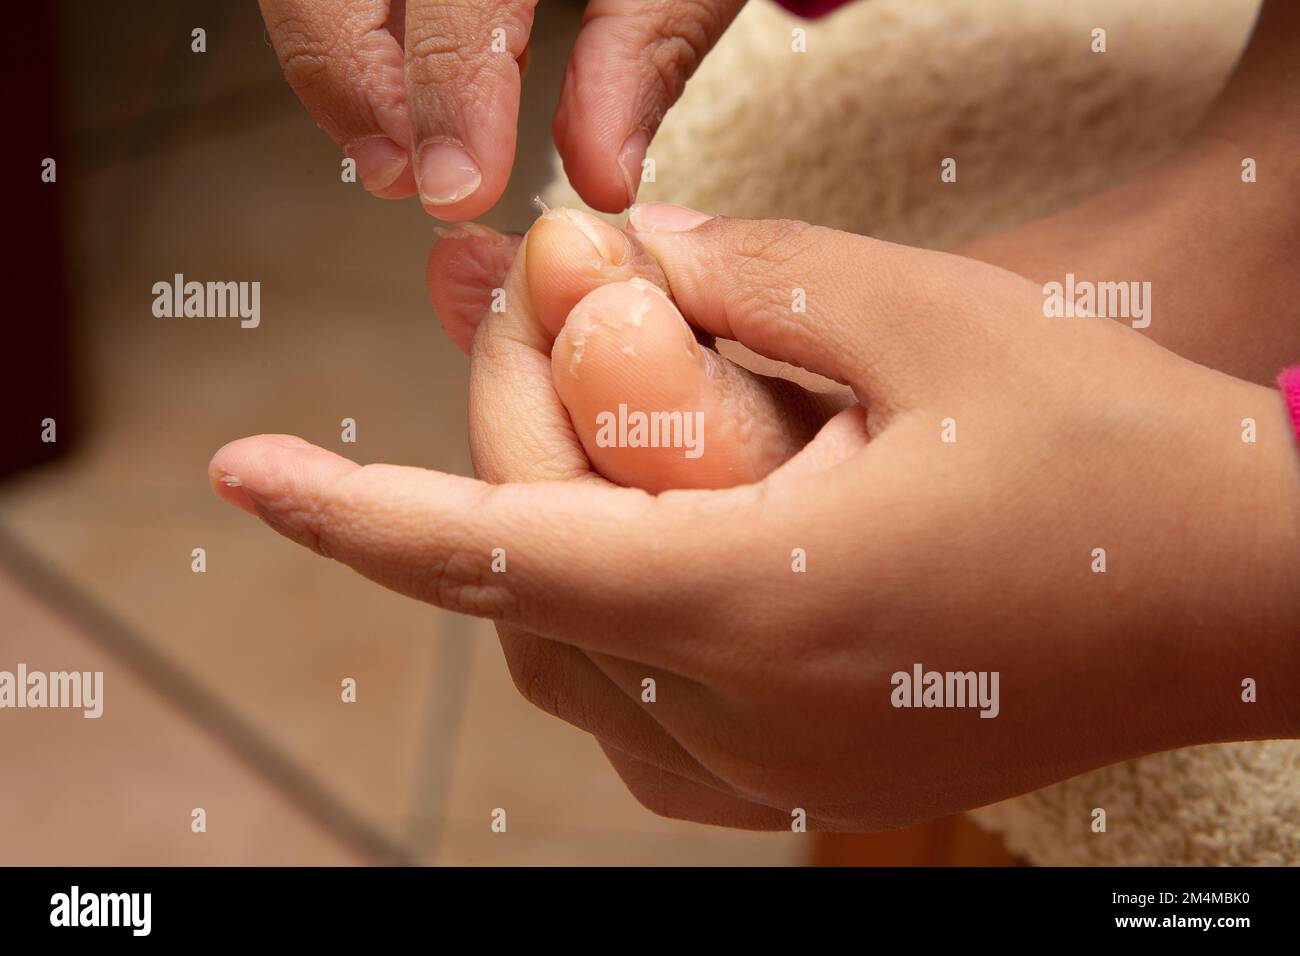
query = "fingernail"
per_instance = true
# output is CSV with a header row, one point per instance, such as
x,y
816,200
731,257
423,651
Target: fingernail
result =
x,y
447,174
630,158
664,217
610,243
379,162
230,488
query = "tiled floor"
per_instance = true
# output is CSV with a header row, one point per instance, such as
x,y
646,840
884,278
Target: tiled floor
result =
x,y
223,688
122,789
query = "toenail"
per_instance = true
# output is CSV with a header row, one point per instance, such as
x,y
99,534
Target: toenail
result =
x,y
611,245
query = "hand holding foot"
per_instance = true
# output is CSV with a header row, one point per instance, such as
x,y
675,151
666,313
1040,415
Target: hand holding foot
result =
x,y
927,516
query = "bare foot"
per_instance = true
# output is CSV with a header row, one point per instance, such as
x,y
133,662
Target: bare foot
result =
x,y
625,364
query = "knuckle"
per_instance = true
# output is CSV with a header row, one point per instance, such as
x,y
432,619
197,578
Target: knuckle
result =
x,y
695,23
463,581
318,524
462,38
769,259
304,54
675,35
432,41
768,305
673,60
324,523
765,243
683,35
449,71
444,565
309,524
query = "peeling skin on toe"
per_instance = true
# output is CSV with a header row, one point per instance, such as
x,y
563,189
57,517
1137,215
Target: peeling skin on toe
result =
x,y
636,315
578,326
691,343
586,319
622,344
642,285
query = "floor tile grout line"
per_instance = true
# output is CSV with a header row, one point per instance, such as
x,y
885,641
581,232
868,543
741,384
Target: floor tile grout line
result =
x,y
431,789
64,599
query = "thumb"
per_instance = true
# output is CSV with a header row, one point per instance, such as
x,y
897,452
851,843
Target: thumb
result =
x,y
891,322
629,64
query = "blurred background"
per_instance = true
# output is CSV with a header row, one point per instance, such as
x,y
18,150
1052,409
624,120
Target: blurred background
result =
x,y
222,688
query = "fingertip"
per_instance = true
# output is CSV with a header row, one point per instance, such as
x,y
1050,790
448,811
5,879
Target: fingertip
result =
x,y
465,210
229,488
602,152
382,166
465,265
455,184
236,462
261,473
462,75
599,174
403,187
623,74
631,161
463,160
239,457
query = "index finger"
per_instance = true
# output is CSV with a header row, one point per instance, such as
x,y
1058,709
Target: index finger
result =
x,y
463,82
607,569
346,67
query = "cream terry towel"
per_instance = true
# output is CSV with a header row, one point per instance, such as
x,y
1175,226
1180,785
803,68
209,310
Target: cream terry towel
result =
x,y
851,134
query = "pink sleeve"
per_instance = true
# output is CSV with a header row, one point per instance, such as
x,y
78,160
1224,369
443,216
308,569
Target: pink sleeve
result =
x,y
812,9
1289,382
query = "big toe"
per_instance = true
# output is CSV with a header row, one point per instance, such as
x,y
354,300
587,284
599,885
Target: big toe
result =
x,y
571,253
657,410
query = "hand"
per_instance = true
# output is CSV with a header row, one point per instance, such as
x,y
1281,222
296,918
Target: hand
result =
x,y
424,94
774,687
